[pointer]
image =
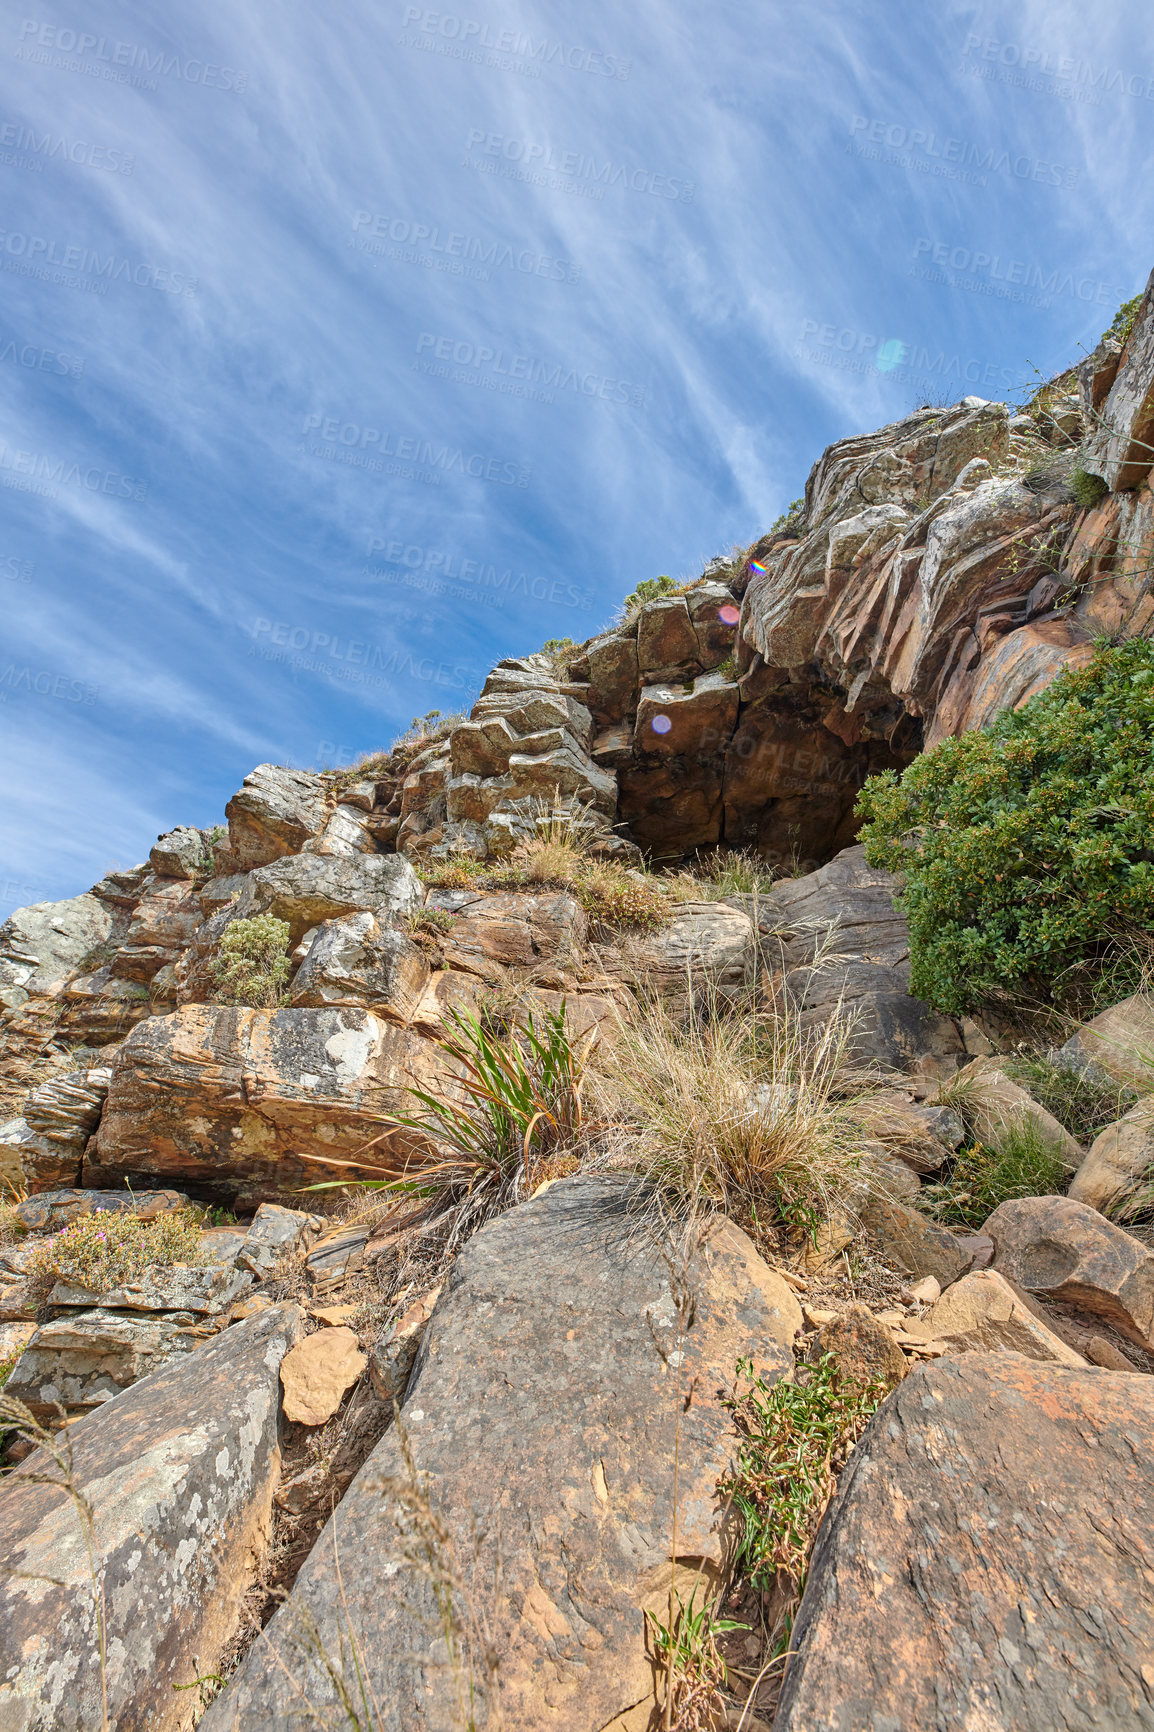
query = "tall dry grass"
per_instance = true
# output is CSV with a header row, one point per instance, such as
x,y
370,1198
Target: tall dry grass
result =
x,y
734,1106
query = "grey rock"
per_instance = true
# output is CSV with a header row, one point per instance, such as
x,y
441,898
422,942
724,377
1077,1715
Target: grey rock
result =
x,y
274,1235
48,1211
180,853
275,813
180,1287
544,1402
984,1563
915,1244
87,1358
180,1473
355,960
1120,448
844,949
49,940
307,889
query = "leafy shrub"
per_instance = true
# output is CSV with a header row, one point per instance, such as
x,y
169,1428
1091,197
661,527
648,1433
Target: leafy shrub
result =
x,y
1027,848
795,1440
1021,1164
1086,488
791,519
559,651
649,589
252,964
1080,1104
105,1250
1124,319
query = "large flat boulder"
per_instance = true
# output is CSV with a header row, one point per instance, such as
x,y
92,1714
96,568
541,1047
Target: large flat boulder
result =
x,y
1118,1044
179,1473
356,960
985,1565
551,1390
704,947
306,889
230,1099
1120,450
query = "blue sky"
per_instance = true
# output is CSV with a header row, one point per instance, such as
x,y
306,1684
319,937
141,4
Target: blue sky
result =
x,y
345,349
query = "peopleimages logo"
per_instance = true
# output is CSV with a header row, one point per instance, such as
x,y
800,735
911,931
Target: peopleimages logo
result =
x,y
438,563
36,256
321,652
1011,279
1039,61
851,351
39,360
33,472
525,160
118,61
53,148
469,33
501,370
955,158
497,255
357,445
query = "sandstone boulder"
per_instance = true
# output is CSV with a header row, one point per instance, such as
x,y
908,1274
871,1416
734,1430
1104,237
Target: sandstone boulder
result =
x,y
996,1106
843,949
982,1313
665,634
161,927
276,812
984,1565
911,1241
541,1418
864,1349
515,929
1119,1157
317,1374
1064,1250
679,721
704,947
355,960
179,1473
274,1235
61,1115
230,1100
1118,1043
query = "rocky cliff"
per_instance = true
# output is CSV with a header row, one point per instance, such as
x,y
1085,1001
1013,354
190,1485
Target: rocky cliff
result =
x,y
566,1385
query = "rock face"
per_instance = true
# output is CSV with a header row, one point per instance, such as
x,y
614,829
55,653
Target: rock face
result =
x,y
843,949
60,1117
997,1105
542,1409
1062,1249
276,812
231,1099
985,1562
1117,1044
45,942
180,1474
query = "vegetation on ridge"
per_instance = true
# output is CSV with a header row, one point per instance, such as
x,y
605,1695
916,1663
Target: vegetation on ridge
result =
x,y
1028,848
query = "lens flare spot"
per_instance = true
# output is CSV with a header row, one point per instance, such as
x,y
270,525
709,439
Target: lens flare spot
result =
x,y
728,615
757,565
891,354
661,724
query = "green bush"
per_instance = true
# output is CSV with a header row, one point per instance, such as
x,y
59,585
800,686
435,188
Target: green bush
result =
x,y
1021,1164
252,963
649,589
1025,849
1086,488
1124,320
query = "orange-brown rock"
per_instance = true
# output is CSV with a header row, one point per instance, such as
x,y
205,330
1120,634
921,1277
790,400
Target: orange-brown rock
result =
x,y
986,1562
233,1100
1062,1249
552,1383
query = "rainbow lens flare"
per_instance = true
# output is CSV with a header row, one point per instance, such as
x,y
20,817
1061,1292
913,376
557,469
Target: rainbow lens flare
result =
x,y
728,615
661,724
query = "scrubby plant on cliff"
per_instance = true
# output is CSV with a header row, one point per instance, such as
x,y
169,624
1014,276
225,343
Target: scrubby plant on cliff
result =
x,y
1027,849
1123,322
251,966
649,589
105,1250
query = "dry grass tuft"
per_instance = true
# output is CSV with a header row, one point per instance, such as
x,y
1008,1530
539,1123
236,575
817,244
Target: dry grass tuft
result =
x,y
736,1108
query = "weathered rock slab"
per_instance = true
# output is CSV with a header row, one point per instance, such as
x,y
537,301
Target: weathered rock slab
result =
x,y
180,1474
275,813
543,1410
1119,1156
986,1564
1066,1251
982,1313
